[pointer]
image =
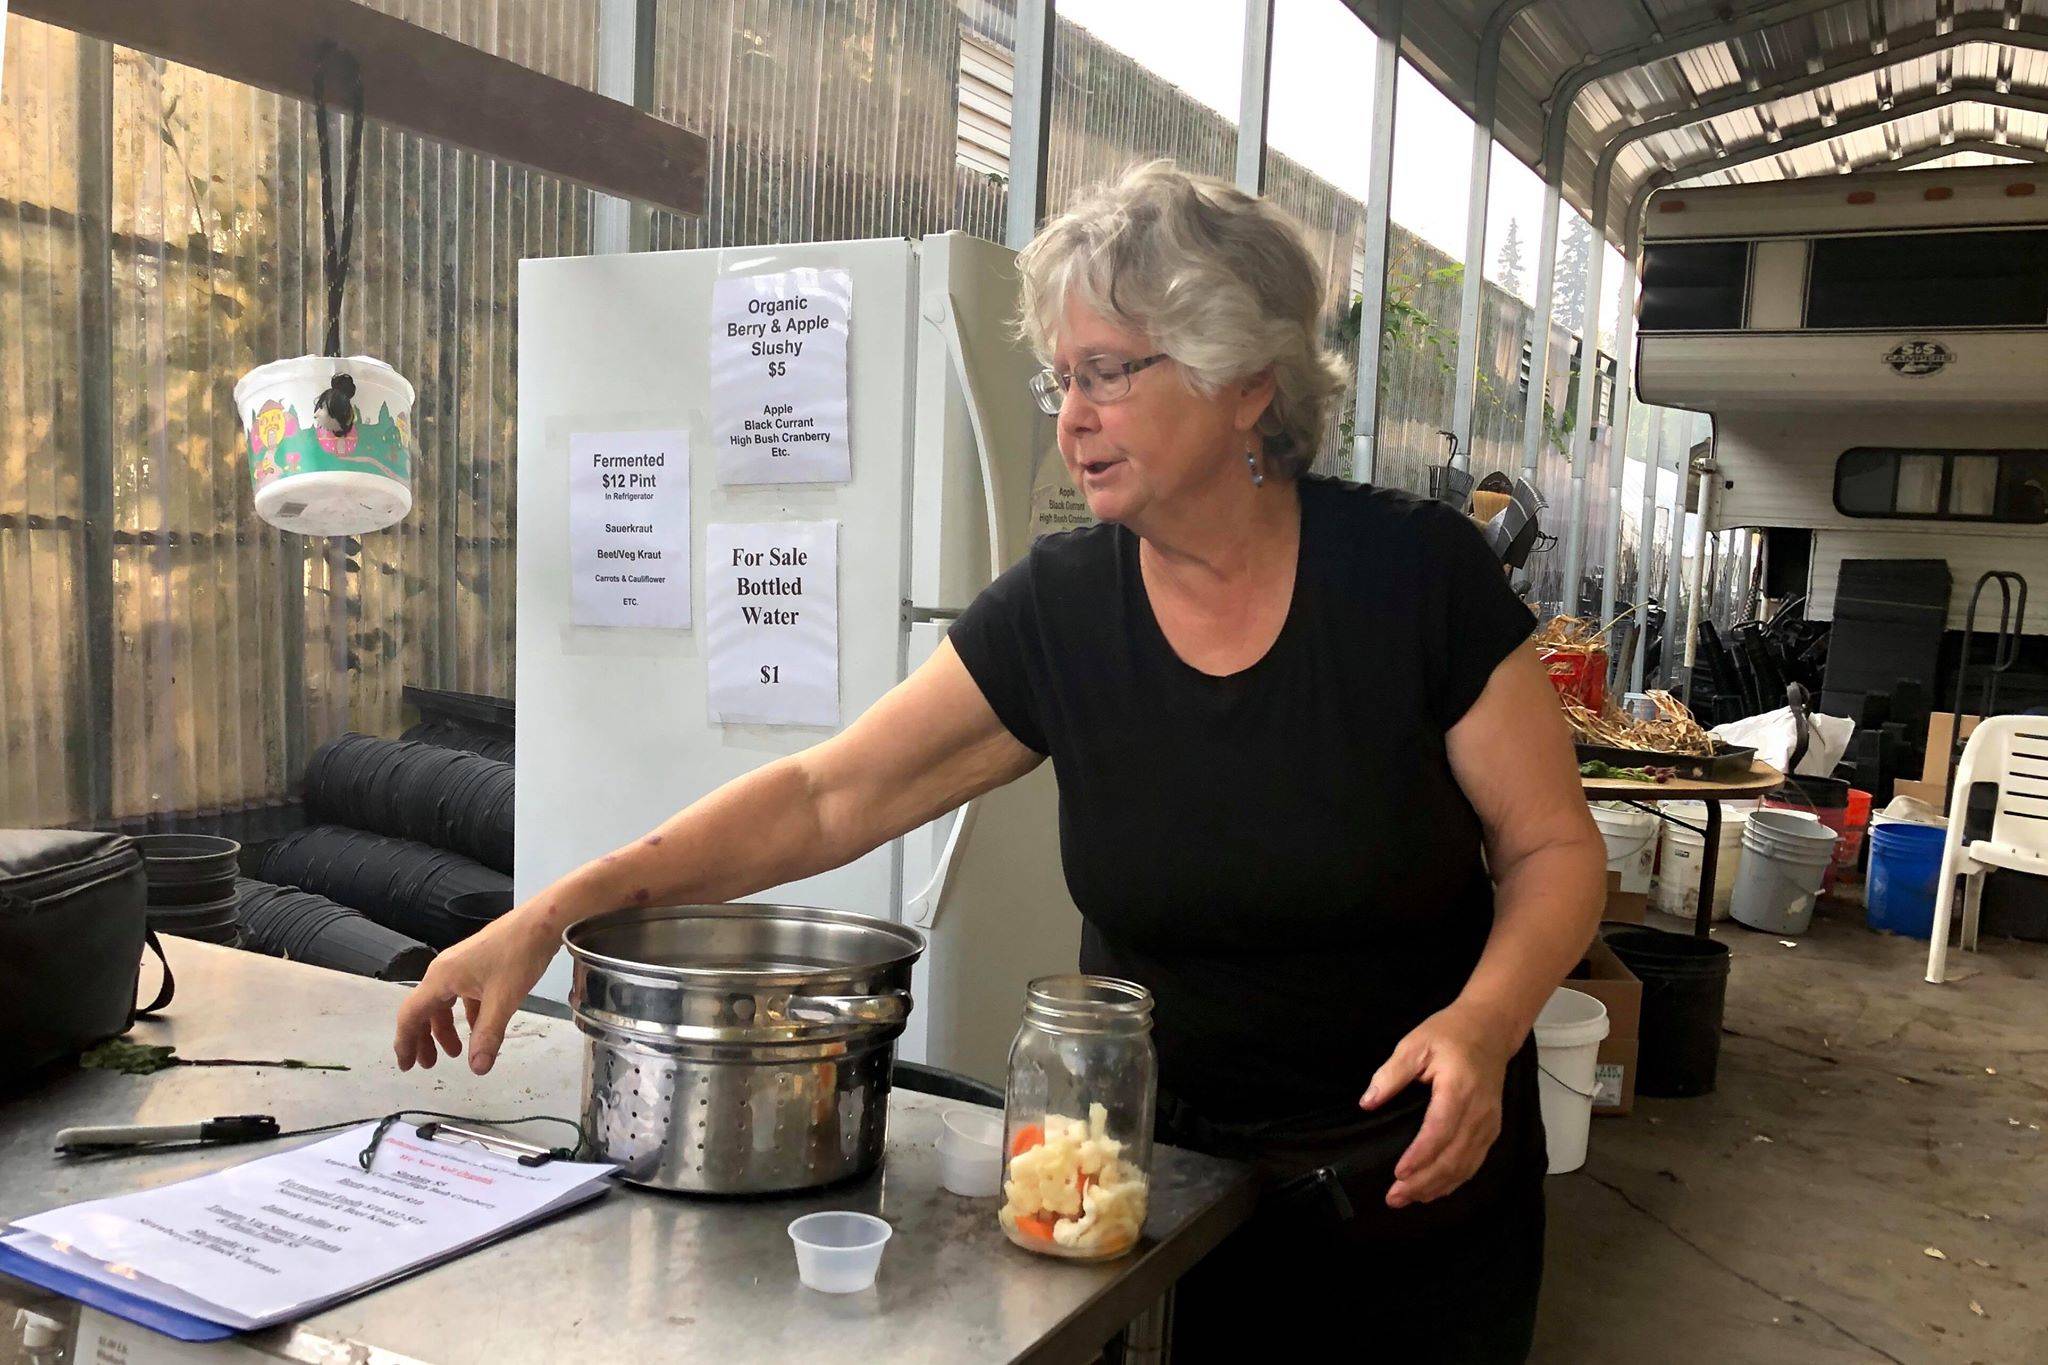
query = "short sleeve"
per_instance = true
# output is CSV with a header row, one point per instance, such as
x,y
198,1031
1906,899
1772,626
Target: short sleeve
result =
x,y
1473,620
996,638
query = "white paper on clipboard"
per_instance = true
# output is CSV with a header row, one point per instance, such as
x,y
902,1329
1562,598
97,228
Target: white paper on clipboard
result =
x,y
275,1239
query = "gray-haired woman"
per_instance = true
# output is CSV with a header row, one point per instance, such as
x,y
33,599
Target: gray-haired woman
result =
x,y
1315,792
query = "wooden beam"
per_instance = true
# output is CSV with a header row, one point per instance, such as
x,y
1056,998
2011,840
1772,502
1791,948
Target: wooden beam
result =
x,y
412,79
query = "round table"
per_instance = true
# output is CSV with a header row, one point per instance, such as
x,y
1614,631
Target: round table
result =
x,y
1761,780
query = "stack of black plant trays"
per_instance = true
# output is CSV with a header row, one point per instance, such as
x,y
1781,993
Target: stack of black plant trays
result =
x,y
410,851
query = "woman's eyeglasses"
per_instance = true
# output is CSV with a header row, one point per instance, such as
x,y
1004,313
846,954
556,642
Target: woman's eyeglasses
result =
x,y
1101,380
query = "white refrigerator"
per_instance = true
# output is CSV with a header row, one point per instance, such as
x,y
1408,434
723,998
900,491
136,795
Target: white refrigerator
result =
x,y
953,472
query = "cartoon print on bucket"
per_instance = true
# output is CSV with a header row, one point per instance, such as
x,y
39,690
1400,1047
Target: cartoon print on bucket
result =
x,y
315,480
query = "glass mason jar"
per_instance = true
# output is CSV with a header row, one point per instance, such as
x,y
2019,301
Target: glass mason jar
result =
x,y
1077,1118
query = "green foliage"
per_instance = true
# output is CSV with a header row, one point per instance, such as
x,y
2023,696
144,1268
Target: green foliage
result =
x,y
1405,323
130,1059
144,1059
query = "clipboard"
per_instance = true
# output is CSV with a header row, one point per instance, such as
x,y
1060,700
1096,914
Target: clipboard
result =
x,y
181,1325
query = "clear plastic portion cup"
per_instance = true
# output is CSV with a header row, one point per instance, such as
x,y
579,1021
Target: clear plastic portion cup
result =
x,y
971,1153
838,1253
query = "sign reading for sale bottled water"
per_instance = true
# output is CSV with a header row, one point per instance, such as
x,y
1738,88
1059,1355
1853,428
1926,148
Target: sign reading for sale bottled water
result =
x,y
778,377
771,622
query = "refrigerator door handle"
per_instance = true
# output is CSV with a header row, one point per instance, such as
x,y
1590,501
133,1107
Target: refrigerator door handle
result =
x,y
922,909
956,351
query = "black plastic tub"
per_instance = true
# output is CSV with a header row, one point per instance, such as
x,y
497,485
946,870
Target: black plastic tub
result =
x,y
209,921
1685,990
188,869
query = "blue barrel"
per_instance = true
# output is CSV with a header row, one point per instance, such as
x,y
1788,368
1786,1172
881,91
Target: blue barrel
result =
x,y
1905,865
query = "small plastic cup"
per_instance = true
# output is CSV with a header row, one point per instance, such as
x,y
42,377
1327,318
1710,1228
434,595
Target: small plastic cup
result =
x,y
838,1252
971,1153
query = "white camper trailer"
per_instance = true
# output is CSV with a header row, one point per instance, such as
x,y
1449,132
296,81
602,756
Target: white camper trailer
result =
x,y
1874,352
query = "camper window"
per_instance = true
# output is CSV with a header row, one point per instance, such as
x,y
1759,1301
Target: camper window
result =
x,y
1694,286
1930,279
1948,485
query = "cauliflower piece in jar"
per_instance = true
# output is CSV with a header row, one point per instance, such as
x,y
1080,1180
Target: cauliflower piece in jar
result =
x,y
1068,1187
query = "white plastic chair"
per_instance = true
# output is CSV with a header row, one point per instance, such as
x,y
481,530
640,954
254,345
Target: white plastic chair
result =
x,y
2011,751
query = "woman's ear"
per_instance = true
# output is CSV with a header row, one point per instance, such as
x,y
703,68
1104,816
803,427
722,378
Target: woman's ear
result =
x,y
1254,397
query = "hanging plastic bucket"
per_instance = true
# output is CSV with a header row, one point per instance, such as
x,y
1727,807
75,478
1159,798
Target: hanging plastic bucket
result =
x,y
1681,852
1631,837
1905,871
318,482
1685,991
1785,857
1568,1035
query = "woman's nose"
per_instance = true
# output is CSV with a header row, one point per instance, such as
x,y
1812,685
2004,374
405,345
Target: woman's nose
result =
x,y
1076,412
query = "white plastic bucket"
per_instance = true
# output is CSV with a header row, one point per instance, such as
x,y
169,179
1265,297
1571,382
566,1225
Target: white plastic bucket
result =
x,y
321,483
1785,856
1681,852
1631,837
1568,1035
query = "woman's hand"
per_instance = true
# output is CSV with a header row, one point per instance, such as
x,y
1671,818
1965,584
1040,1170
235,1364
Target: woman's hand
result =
x,y
490,972
1464,1058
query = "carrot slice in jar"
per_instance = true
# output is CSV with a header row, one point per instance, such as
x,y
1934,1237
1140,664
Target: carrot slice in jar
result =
x,y
1029,1136
1037,1225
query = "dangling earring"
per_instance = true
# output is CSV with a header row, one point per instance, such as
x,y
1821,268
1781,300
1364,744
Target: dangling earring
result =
x,y
1251,461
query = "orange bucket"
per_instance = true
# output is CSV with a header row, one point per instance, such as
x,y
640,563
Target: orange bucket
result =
x,y
1580,674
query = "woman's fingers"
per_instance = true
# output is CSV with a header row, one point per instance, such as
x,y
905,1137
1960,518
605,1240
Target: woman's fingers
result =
x,y
1396,1074
413,1040
1454,1164
1441,1126
443,1021
487,1031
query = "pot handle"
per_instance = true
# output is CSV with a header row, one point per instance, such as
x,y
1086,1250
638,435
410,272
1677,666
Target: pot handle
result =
x,y
892,1008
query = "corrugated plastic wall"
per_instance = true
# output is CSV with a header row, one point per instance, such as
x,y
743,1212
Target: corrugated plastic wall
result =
x,y
168,657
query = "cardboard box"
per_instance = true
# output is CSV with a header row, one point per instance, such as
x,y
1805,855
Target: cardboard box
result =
x,y
1626,906
1930,792
1601,975
1941,736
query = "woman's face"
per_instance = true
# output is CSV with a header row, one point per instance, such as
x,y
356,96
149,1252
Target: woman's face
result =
x,y
1159,442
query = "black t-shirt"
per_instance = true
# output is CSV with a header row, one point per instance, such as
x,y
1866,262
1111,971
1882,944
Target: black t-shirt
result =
x,y
1281,855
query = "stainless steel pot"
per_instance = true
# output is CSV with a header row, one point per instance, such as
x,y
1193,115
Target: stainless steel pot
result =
x,y
739,1049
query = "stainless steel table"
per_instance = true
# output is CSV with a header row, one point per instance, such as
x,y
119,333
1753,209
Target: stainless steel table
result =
x,y
635,1276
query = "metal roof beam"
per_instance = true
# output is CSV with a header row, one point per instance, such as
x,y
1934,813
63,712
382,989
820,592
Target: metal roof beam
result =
x,y
2028,40
1571,84
1632,225
2014,151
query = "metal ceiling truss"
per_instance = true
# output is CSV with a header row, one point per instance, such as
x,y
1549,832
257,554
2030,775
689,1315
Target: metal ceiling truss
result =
x,y
1564,95
1879,62
2012,151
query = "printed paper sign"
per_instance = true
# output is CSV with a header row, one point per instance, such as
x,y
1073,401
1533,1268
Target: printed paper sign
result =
x,y
629,528
778,377
1056,505
771,622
